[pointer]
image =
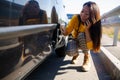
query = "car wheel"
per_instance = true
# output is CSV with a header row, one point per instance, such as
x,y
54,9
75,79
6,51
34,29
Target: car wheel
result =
x,y
60,52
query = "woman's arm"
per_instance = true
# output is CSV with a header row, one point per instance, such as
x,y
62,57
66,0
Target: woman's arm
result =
x,y
69,28
87,33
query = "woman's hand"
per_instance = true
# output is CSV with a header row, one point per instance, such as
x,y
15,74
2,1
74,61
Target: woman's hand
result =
x,y
88,24
62,29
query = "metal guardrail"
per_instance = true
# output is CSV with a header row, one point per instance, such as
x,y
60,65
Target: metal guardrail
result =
x,y
16,31
106,21
113,12
111,24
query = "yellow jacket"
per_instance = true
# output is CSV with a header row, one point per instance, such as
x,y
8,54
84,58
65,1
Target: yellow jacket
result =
x,y
73,27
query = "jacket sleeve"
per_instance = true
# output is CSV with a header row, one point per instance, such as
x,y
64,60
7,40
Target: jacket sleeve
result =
x,y
70,26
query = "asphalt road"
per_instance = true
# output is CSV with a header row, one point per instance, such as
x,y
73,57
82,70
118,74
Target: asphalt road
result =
x,y
54,68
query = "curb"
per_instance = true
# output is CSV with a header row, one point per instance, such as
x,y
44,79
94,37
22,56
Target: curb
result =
x,y
111,63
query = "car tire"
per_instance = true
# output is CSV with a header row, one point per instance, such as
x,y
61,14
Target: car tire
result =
x,y
60,52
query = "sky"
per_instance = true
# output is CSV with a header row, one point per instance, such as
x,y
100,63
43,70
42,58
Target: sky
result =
x,y
75,6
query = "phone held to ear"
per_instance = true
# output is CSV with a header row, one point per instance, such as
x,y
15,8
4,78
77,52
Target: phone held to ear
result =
x,y
87,22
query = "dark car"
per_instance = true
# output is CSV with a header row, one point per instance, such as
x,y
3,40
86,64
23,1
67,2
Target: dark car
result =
x,y
24,47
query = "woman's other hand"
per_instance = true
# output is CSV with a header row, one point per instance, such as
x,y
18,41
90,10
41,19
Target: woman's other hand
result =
x,y
62,29
88,24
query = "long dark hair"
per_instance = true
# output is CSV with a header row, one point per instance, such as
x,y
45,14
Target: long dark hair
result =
x,y
95,29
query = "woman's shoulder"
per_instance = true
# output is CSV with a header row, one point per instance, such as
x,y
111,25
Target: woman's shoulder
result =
x,y
75,16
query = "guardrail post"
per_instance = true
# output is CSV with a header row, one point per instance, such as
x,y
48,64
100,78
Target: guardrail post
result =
x,y
116,29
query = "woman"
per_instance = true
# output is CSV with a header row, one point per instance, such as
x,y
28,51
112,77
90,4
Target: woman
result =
x,y
90,24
